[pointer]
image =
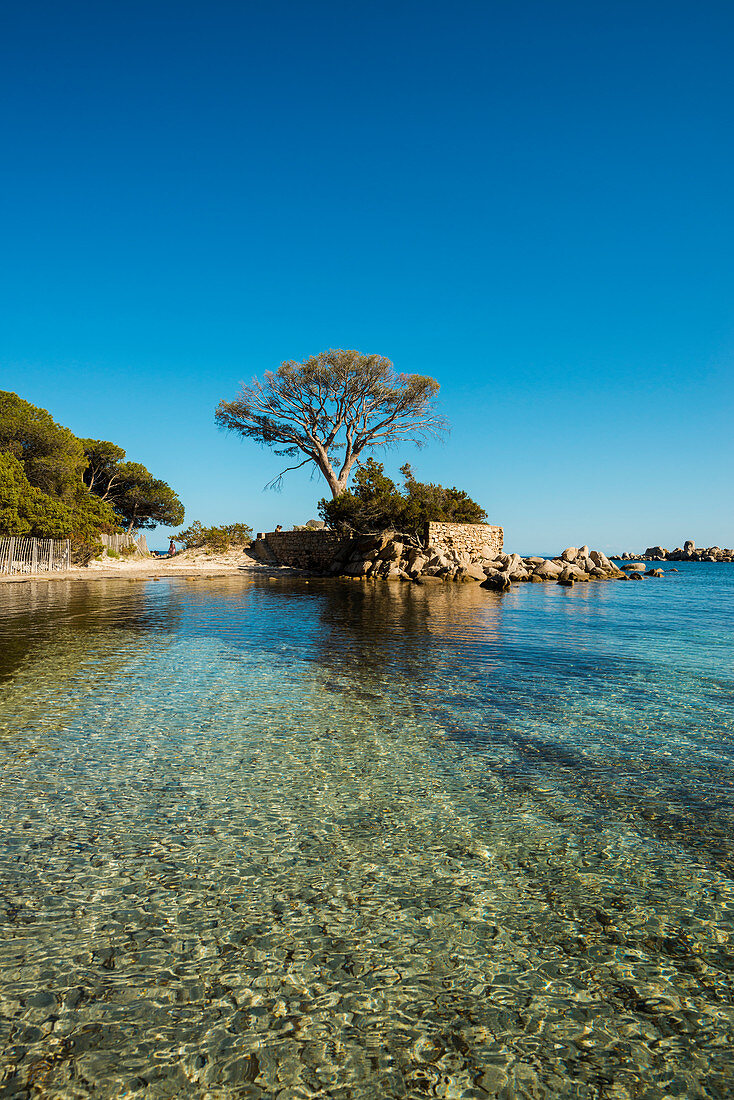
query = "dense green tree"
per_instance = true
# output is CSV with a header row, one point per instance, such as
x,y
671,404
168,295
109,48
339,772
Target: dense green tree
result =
x,y
52,457
103,465
143,501
53,485
425,503
376,504
27,510
331,408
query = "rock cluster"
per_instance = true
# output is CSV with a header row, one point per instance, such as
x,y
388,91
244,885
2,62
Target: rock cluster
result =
x,y
687,552
390,557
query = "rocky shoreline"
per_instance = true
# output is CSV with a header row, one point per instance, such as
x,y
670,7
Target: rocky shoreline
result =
x,y
389,557
687,552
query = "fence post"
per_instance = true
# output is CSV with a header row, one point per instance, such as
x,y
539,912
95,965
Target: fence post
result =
x,y
34,557
50,555
67,554
11,555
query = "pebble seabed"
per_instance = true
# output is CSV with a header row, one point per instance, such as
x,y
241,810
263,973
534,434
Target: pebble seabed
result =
x,y
232,871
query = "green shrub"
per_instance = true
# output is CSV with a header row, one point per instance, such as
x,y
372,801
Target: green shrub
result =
x,y
376,504
112,553
84,550
215,539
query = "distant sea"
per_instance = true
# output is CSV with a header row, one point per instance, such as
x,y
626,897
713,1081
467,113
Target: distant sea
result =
x,y
318,838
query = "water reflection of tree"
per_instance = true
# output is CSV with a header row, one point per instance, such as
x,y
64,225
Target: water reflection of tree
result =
x,y
38,617
371,631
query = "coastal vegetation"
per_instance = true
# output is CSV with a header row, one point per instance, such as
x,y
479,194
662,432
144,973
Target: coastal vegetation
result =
x,y
55,485
333,407
375,503
216,539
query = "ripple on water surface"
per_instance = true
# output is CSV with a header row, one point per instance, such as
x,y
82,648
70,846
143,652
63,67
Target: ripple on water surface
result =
x,y
267,838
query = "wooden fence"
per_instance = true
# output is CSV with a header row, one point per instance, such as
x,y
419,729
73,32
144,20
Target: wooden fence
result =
x,y
25,555
121,542
18,555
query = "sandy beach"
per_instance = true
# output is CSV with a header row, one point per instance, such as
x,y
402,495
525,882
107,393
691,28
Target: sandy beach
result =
x,y
189,563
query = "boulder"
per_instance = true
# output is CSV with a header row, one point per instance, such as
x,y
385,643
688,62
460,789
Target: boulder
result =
x,y
535,579
499,581
549,569
689,547
601,560
570,553
533,561
654,573
635,567
584,551
471,573
424,579
658,552
392,551
567,581
634,576
439,561
417,564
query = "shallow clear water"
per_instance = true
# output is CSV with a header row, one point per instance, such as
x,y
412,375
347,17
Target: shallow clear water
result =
x,y
286,838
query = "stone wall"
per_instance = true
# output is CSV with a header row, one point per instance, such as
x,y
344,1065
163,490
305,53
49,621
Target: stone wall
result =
x,y
300,549
316,549
466,538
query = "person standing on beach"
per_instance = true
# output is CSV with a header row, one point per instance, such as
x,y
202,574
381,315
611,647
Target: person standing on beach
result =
x,y
171,549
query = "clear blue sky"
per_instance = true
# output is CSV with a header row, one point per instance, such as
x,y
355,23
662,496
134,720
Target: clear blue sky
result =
x,y
531,202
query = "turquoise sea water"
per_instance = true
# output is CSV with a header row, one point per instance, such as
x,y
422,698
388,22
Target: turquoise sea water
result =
x,y
329,839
